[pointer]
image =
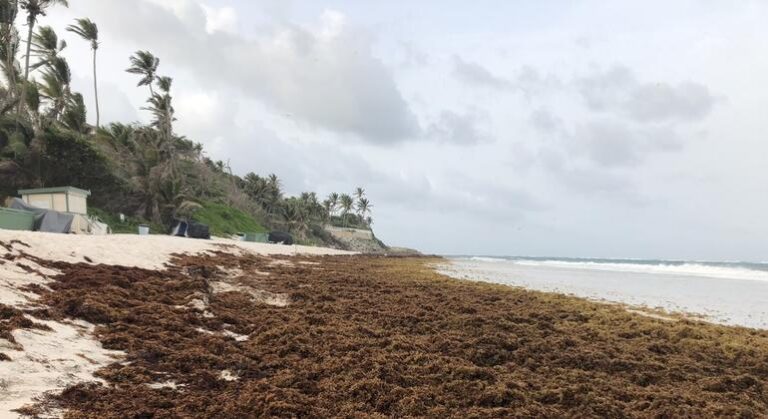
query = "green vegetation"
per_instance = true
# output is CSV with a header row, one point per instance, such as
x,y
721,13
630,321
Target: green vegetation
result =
x,y
147,172
226,221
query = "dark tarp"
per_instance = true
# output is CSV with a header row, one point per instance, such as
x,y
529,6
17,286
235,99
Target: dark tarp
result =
x,y
198,231
48,221
191,229
280,238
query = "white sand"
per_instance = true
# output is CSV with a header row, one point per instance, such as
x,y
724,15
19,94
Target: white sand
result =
x,y
150,252
69,354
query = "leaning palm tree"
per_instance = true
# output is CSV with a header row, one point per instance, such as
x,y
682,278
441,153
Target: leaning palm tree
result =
x,y
145,64
90,32
34,9
55,86
46,46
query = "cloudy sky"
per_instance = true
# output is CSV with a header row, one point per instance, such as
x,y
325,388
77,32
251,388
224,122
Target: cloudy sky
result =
x,y
559,128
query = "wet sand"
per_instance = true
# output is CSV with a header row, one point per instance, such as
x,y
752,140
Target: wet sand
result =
x,y
223,335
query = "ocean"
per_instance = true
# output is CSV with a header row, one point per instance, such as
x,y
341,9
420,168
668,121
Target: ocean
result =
x,y
733,293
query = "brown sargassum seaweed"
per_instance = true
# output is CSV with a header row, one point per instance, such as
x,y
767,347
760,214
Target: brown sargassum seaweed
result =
x,y
385,337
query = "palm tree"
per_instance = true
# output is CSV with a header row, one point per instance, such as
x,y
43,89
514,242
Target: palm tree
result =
x,y
165,83
34,9
359,193
145,64
74,116
56,85
347,203
327,211
363,208
296,216
90,32
9,46
47,46
333,200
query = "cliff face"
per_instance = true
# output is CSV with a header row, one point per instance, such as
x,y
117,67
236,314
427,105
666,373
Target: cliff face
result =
x,y
356,240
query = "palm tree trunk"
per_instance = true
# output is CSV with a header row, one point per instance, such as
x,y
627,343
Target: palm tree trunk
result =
x,y
23,97
96,92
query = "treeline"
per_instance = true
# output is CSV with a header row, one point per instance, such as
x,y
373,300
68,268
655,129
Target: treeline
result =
x,y
148,171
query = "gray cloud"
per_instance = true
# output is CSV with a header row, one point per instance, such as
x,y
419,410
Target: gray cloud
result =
x,y
605,90
546,122
607,143
475,74
527,80
459,129
662,102
598,182
326,77
413,56
613,143
617,90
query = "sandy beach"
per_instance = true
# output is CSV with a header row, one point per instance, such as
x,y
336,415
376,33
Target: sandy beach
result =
x,y
182,328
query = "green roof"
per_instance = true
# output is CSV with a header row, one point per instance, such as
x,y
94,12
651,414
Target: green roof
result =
x,y
64,189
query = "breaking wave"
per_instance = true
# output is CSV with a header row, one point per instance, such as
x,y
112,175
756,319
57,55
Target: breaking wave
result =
x,y
724,270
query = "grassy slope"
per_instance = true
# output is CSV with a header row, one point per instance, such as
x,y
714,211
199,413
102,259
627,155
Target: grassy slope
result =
x,y
222,220
226,221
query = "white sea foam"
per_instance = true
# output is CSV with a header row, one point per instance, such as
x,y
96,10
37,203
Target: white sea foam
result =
x,y
678,269
487,259
686,269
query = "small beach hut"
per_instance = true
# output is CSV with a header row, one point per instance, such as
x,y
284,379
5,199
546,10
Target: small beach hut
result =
x,y
64,199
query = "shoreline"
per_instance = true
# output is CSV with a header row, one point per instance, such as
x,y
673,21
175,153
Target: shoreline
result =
x,y
642,310
222,333
731,301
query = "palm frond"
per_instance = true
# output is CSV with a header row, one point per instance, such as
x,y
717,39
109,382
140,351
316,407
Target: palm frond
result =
x,y
86,29
145,64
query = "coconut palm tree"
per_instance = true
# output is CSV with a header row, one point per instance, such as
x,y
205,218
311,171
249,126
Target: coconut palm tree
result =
x,y
363,207
9,47
46,46
34,9
327,211
165,83
295,216
145,64
74,116
90,32
347,203
56,86
333,200
359,193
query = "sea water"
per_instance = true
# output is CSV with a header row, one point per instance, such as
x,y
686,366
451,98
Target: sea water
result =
x,y
734,293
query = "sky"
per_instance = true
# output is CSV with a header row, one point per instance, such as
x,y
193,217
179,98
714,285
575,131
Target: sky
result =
x,y
585,128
